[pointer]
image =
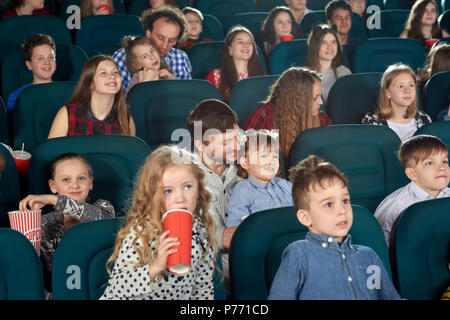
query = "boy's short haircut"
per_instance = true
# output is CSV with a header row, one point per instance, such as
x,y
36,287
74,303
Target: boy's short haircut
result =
x,y
35,40
307,174
418,148
213,114
336,4
193,11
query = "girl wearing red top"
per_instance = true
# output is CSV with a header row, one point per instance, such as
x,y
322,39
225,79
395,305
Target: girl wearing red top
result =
x,y
25,7
97,105
239,61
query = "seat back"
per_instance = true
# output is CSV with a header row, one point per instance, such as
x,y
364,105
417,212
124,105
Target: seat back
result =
x,y
103,34
14,30
251,20
420,248
444,20
267,5
4,126
392,23
345,108
440,129
212,28
9,187
436,92
288,54
224,10
366,154
248,94
70,60
35,109
206,56
21,275
115,161
161,107
259,241
81,256
375,55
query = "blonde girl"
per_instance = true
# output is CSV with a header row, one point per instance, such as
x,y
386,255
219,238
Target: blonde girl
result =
x,y
170,179
397,103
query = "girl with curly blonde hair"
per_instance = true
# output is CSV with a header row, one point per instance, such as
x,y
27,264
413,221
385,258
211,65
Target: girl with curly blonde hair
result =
x,y
170,179
292,107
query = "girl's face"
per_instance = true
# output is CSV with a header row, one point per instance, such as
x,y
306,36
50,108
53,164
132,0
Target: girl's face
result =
x,y
43,63
156,3
241,47
402,90
282,25
147,57
98,3
317,97
107,78
180,189
429,15
194,24
328,47
261,165
71,179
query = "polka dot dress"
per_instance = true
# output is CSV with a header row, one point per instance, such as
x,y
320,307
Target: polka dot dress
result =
x,y
130,282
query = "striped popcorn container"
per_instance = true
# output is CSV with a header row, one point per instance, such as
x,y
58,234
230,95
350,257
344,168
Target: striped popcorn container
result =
x,y
28,223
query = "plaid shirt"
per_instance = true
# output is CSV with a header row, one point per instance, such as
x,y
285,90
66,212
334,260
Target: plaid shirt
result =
x,y
176,59
262,118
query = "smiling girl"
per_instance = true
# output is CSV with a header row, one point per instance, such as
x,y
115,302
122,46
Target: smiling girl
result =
x,y
97,105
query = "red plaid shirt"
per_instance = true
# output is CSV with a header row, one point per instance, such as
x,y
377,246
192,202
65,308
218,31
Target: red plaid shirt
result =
x,y
262,118
80,123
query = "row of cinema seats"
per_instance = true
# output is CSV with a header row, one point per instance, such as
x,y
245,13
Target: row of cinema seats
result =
x,y
416,261
37,105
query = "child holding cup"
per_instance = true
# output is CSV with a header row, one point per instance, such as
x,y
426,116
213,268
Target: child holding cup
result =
x,y
171,179
71,179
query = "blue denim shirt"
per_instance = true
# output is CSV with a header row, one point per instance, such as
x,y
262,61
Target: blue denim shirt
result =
x,y
318,268
250,196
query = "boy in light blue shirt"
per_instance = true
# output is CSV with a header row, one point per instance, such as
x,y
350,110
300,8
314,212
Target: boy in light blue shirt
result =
x,y
261,189
326,265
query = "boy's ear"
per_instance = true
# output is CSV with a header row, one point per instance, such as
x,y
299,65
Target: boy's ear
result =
x,y
411,174
244,163
28,64
303,217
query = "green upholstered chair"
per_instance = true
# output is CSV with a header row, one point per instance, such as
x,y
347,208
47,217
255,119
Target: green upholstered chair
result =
x,y
115,161
392,23
224,10
436,93
444,20
248,94
345,108
206,56
366,154
4,126
440,129
35,109
251,20
103,34
288,54
70,60
20,268
9,187
419,250
83,252
15,30
267,5
161,107
212,28
376,54
259,241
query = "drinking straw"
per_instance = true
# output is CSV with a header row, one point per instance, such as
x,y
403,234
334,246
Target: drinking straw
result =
x,y
23,145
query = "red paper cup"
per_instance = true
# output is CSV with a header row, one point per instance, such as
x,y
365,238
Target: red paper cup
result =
x,y
287,37
179,222
22,160
104,6
429,43
28,223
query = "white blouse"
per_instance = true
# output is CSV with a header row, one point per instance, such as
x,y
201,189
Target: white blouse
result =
x,y
405,130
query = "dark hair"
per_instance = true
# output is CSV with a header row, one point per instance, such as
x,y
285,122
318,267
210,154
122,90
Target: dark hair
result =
x,y
418,148
33,41
172,15
309,172
68,156
213,114
336,4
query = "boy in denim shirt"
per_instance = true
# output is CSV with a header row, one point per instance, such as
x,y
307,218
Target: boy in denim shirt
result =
x,y
326,265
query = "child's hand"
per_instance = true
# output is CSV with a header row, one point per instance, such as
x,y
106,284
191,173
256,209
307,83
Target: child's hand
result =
x,y
165,74
102,11
160,264
37,201
148,75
